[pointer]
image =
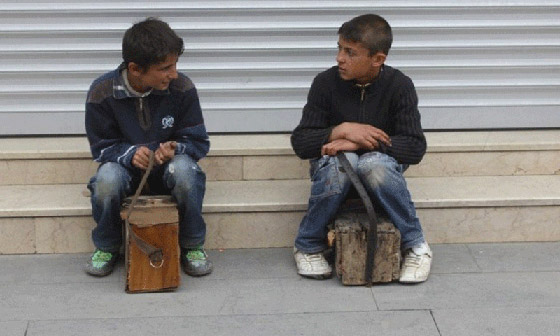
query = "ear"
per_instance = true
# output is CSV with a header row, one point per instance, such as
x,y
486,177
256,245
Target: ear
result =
x,y
378,59
134,69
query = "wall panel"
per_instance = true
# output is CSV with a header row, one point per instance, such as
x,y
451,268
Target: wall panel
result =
x,y
489,64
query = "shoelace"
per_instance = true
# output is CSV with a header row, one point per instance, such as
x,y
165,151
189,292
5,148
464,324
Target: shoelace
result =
x,y
101,256
314,259
412,259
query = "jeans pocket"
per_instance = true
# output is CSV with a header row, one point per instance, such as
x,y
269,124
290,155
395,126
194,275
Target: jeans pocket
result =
x,y
325,180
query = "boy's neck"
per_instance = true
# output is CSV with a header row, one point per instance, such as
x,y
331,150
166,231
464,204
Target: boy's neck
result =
x,y
135,89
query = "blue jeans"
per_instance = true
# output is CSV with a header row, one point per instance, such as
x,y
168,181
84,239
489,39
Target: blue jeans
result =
x,y
181,177
383,178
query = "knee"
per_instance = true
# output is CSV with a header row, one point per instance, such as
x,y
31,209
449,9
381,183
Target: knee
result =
x,y
376,169
109,182
183,174
353,159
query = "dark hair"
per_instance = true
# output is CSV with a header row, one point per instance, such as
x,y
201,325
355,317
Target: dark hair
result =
x,y
373,31
150,42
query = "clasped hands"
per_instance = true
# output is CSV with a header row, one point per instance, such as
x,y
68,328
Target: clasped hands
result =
x,y
352,136
164,153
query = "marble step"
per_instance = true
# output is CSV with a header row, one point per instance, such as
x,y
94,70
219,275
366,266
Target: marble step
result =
x,y
269,157
266,213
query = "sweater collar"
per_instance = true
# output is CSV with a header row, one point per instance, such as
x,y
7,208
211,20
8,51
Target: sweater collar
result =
x,y
352,84
379,76
122,89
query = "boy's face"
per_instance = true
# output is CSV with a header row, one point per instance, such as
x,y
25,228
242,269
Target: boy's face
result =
x,y
355,62
157,76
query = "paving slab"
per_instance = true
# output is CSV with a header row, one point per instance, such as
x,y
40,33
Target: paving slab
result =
x,y
405,323
512,257
13,328
211,297
488,290
498,322
453,258
50,268
269,263
257,292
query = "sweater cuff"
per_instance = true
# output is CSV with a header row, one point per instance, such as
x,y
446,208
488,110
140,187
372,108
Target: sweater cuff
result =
x,y
328,135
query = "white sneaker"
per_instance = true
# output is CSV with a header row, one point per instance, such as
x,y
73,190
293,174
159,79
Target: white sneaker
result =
x,y
417,264
312,265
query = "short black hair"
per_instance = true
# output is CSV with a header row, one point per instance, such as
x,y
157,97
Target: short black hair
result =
x,y
150,42
373,31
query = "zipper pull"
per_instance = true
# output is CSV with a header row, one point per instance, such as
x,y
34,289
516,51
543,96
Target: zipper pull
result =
x,y
362,88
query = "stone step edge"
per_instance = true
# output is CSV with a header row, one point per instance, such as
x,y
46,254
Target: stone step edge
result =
x,y
76,147
292,195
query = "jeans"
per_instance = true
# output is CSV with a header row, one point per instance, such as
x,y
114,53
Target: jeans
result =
x,y
383,179
181,177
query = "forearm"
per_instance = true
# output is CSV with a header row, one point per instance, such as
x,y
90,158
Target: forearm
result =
x,y
406,149
408,140
106,142
337,133
307,142
193,141
113,151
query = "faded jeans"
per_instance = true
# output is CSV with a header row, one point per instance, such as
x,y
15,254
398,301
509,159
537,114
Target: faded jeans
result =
x,y
181,177
383,178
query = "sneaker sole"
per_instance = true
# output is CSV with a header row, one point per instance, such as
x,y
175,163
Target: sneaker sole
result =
x,y
99,275
406,281
196,274
317,276
88,269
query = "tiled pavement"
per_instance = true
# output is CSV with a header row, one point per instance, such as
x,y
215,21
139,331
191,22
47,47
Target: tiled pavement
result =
x,y
474,289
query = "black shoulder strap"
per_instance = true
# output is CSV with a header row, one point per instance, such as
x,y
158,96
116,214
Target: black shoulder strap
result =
x,y
372,229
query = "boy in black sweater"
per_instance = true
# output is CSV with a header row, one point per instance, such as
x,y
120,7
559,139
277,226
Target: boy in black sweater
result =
x,y
369,111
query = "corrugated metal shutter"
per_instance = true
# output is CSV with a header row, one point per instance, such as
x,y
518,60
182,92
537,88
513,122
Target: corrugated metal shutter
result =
x,y
481,64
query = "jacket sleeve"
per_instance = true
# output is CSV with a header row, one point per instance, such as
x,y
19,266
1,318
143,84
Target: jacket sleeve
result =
x,y
313,130
408,140
191,136
106,141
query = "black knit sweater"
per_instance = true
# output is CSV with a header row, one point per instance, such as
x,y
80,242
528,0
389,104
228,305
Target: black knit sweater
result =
x,y
389,103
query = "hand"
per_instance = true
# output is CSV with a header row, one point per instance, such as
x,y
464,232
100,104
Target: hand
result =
x,y
141,158
333,147
165,152
366,136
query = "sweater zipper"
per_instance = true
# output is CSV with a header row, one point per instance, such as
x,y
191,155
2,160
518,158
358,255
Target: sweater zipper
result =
x,y
362,115
363,89
143,115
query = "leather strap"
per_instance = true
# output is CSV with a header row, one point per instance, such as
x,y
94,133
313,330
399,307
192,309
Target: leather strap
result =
x,y
155,254
372,227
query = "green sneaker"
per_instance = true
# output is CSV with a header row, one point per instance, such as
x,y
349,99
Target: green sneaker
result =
x,y
195,261
101,263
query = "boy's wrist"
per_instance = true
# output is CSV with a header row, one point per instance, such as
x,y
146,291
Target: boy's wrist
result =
x,y
338,132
